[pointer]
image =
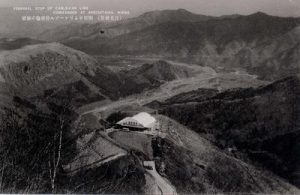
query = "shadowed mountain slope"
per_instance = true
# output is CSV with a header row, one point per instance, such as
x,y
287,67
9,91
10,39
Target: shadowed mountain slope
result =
x,y
262,123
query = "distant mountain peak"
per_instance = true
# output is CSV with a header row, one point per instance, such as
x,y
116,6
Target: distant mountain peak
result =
x,y
183,10
167,11
174,15
259,13
172,12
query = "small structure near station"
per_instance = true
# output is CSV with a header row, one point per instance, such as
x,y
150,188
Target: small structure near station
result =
x,y
139,122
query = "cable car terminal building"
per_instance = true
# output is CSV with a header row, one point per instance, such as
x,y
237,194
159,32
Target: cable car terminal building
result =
x,y
139,122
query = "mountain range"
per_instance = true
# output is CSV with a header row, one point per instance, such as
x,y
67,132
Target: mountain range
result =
x,y
258,43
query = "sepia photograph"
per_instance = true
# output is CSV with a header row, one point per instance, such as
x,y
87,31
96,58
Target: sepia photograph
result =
x,y
154,97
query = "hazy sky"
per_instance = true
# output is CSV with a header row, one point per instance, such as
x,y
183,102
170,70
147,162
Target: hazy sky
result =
x,y
207,7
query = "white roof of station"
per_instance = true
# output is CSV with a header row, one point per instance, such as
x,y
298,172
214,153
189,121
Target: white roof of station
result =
x,y
144,119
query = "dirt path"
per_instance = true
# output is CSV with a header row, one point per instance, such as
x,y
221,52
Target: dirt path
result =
x,y
163,185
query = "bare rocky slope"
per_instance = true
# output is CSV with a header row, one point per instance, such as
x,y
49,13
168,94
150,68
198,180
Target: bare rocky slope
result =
x,y
42,69
36,68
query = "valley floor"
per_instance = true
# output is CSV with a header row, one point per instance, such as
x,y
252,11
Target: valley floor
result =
x,y
205,78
